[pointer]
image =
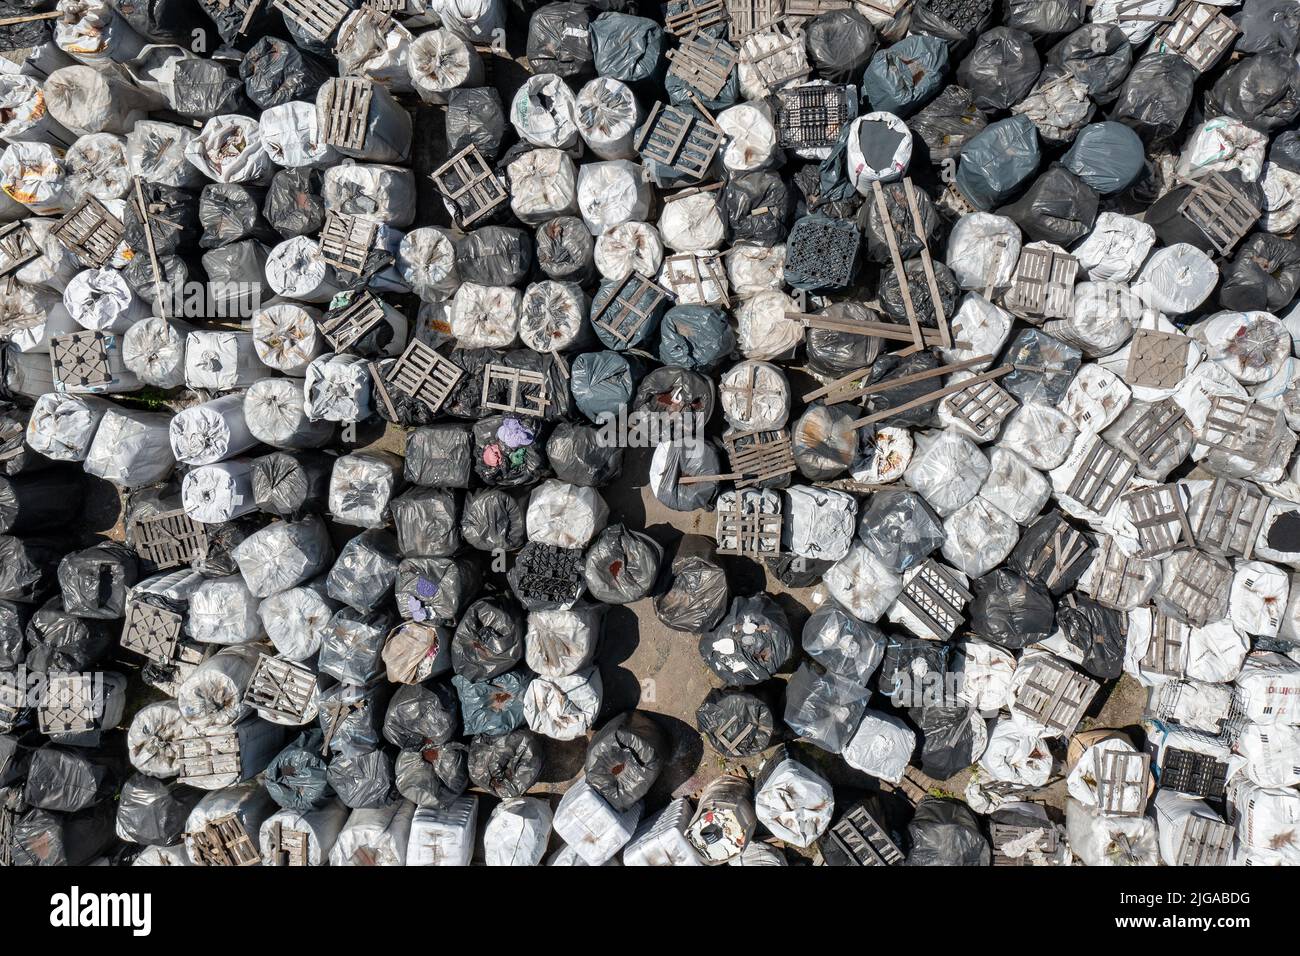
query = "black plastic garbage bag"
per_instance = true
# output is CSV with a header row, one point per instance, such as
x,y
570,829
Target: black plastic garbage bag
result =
x,y
1264,276
900,528
223,539
439,456
1099,633
494,706
735,722
475,117
13,633
489,639
296,777
836,354
365,570
697,595
998,161
351,716
946,833
153,812
953,738
601,383
229,212
891,292
1155,96
1001,69
68,780
276,72
1044,367
899,213
566,250
1059,208
433,776
910,663
625,758
824,707
436,590
840,44
889,367
509,452
1044,18
352,648
758,206
202,89
1109,157
679,461
695,336
751,644
294,206
796,571
492,520
672,389
1284,150
1010,610
1262,91
1098,55
60,641
577,455
842,644
506,766
364,780
560,41
177,232
45,838
426,522
39,501
622,565
901,78
235,275
946,124
94,582
627,48
421,714
1268,26
290,483
495,255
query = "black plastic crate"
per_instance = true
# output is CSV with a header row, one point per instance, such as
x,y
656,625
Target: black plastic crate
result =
x,y
547,574
822,252
857,839
1198,774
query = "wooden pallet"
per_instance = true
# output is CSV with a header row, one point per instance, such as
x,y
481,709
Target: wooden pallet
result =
x,y
1156,432
224,842
170,538
526,390
90,232
695,16
347,241
1042,286
17,248
1161,521
344,114
420,373
679,140
627,311
1231,519
1198,32
1166,652
1222,213
467,182
281,688
316,18
1055,694
345,327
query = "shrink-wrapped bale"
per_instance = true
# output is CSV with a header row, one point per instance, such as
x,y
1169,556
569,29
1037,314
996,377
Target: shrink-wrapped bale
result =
x,y
153,739
374,836
131,448
219,492
439,61
275,413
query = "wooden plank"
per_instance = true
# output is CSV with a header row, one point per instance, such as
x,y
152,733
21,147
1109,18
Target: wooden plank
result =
x,y
932,396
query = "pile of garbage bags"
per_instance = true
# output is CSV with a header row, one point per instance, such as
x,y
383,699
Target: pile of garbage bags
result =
x,y
965,335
